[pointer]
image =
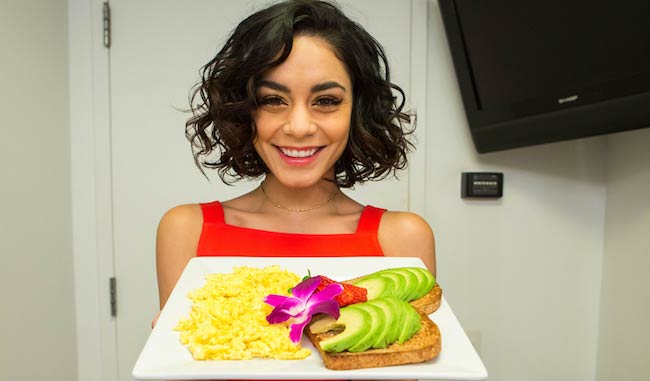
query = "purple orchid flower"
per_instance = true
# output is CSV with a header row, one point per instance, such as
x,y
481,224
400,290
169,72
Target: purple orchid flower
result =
x,y
304,303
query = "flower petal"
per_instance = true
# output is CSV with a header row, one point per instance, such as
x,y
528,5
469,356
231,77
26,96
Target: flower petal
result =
x,y
275,300
278,316
314,306
286,308
296,330
304,303
330,307
327,293
304,289
285,302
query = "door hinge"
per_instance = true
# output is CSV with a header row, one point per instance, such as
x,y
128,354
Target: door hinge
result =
x,y
107,24
113,291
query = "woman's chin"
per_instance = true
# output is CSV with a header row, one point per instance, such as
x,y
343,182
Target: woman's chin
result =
x,y
297,180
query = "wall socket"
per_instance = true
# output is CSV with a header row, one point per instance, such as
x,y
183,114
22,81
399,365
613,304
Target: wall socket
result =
x,y
481,185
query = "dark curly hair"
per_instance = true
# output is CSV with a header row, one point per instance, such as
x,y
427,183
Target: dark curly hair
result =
x,y
221,130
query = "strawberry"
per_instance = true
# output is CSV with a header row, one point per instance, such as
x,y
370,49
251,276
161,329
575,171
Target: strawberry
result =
x,y
351,294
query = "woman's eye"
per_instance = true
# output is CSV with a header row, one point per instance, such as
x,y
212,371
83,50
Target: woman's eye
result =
x,y
272,101
327,102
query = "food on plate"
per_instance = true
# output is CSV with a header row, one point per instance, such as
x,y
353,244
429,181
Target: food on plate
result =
x,y
228,317
423,346
415,285
375,320
307,299
374,324
391,328
350,294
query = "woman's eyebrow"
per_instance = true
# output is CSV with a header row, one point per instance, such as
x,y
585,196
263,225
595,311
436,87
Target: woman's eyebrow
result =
x,y
316,88
274,85
326,86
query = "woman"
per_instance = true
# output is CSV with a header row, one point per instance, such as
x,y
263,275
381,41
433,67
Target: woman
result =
x,y
299,96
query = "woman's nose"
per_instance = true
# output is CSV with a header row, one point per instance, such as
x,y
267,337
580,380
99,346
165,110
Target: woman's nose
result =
x,y
300,122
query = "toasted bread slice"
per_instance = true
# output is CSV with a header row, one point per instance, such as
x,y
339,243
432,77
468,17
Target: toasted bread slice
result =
x,y
430,302
423,346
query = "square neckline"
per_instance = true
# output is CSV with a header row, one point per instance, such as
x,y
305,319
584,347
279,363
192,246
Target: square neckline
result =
x,y
365,223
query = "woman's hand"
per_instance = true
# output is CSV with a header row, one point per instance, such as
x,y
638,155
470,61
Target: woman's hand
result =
x,y
155,319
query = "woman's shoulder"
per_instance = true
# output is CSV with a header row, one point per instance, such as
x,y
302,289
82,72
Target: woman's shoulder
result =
x,y
180,214
404,224
179,231
181,219
406,234
176,243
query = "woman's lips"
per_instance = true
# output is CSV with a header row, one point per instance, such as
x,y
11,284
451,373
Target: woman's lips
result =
x,y
299,156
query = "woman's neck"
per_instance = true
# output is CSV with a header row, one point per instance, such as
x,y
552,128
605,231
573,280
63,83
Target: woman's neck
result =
x,y
297,200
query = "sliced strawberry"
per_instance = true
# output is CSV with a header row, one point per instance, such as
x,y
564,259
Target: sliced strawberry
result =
x,y
351,294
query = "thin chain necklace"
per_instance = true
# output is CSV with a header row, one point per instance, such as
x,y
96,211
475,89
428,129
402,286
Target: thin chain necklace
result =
x,y
298,210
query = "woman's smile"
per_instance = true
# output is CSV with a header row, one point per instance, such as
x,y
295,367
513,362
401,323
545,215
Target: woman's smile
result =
x,y
299,152
299,157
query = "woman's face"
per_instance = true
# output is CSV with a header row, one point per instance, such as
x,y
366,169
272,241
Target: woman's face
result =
x,y
303,119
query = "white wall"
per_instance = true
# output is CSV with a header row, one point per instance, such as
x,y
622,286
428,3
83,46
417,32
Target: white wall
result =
x,y
625,305
522,273
36,276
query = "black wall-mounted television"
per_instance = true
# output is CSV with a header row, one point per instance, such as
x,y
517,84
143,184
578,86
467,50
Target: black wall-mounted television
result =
x,y
533,72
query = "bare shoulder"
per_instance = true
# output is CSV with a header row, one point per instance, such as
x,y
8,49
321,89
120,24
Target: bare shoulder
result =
x,y
405,234
182,216
176,243
181,224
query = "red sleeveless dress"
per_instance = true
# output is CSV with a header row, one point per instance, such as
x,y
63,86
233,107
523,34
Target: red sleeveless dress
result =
x,y
221,239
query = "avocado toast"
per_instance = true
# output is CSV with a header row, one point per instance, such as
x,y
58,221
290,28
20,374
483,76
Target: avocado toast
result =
x,y
391,328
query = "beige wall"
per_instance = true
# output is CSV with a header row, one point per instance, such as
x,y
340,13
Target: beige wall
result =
x,y
36,275
522,273
625,302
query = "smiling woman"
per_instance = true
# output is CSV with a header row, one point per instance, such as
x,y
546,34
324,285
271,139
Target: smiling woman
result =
x,y
299,96
303,120
229,91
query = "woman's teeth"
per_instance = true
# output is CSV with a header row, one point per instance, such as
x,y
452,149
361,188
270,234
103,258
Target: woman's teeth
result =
x,y
298,153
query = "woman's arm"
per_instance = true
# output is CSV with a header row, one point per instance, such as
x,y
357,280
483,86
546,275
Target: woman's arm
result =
x,y
404,234
176,243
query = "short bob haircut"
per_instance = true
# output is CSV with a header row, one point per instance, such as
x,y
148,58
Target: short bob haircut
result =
x,y
221,130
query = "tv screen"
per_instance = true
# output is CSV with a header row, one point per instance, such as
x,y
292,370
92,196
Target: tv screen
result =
x,y
537,72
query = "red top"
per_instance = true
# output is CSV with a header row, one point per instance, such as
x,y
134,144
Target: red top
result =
x,y
221,239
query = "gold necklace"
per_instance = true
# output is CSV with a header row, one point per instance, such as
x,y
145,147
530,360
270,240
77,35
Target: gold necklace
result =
x,y
298,210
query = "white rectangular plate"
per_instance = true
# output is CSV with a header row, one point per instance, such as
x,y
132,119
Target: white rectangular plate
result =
x,y
164,357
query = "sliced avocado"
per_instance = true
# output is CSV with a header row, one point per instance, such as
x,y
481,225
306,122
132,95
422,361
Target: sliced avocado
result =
x,y
377,286
400,283
357,325
412,283
429,280
422,282
378,323
398,318
389,333
426,280
411,325
323,324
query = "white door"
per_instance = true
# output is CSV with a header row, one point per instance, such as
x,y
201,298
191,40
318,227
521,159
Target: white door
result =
x,y
157,49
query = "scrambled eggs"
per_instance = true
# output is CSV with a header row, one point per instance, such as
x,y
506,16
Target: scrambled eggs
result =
x,y
228,317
